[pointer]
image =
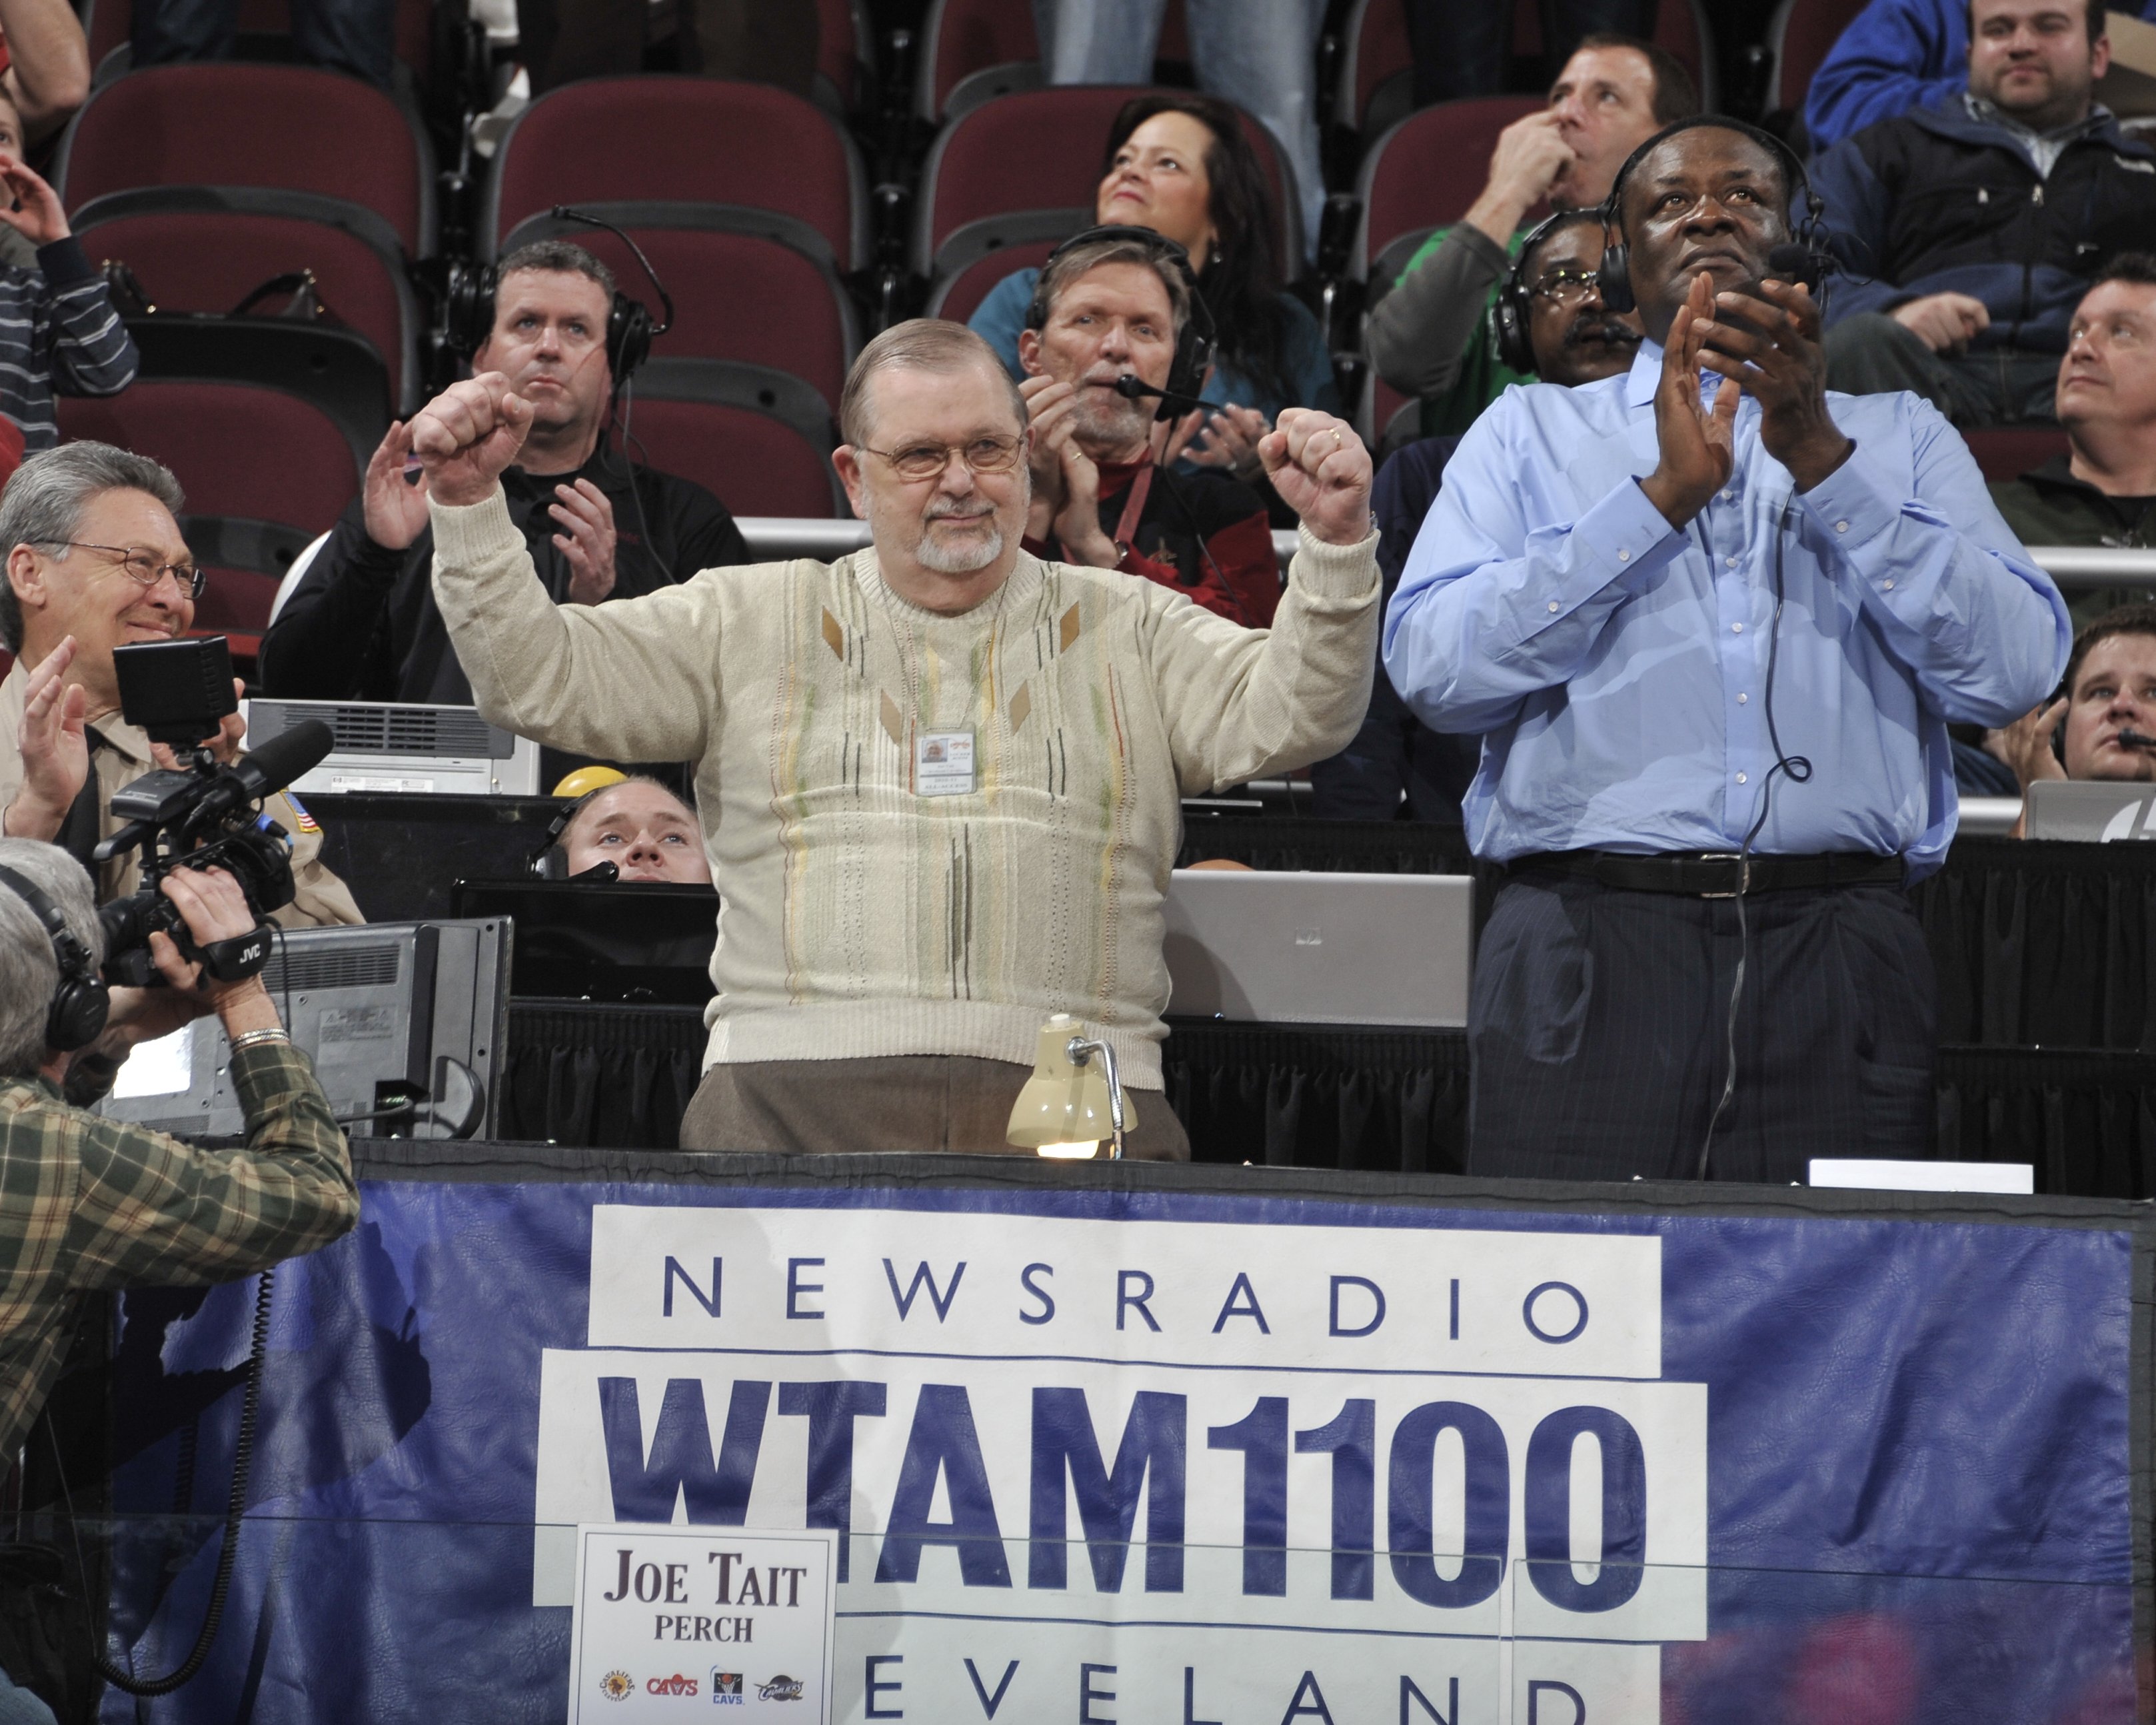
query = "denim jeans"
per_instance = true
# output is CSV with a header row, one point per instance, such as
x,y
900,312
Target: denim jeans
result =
x,y
355,36
1260,54
18,1707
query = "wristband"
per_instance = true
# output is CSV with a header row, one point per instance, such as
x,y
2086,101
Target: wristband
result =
x,y
258,1039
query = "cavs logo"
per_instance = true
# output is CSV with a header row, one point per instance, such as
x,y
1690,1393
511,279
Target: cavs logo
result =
x,y
780,1689
617,1685
726,1688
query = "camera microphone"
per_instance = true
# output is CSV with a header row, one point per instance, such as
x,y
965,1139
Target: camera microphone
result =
x,y
1172,401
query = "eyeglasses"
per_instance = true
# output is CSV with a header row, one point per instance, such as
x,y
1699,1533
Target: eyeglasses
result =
x,y
927,461
142,567
1567,287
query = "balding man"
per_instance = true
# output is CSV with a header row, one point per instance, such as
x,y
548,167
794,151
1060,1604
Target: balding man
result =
x,y
940,777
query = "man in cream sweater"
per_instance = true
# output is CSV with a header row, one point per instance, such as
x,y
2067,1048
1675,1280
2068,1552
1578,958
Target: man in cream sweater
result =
x,y
938,779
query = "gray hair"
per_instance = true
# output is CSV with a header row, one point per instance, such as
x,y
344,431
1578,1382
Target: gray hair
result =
x,y
920,344
1068,267
45,500
29,972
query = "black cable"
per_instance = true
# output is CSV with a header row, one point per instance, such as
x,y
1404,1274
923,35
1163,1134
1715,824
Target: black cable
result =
x,y
1799,770
625,408
235,1509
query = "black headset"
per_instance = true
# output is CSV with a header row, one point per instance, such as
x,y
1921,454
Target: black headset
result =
x,y
1194,344
1510,314
81,1001
468,306
1614,278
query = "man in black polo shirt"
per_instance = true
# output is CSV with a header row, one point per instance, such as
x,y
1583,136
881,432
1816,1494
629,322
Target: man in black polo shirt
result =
x,y
361,624
1102,492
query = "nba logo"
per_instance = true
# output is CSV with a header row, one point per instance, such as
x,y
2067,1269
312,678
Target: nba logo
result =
x,y
726,1688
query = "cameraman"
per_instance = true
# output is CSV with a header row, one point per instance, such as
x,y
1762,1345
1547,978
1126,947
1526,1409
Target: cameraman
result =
x,y
95,561
88,1205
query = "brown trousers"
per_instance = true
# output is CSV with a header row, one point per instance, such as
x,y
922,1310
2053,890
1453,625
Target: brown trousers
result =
x,y
892,1102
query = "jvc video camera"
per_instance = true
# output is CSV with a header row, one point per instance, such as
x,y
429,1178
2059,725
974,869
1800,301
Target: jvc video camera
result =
x,y
202,815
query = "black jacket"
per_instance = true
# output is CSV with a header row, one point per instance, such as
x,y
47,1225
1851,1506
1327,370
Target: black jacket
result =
x,y
361,624
1944,201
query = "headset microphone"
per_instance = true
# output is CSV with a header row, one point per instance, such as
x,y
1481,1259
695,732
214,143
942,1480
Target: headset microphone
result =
x,y
1797,265
1173,400
2130,738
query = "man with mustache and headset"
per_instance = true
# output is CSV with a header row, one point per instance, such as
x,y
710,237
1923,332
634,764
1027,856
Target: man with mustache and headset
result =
x,y
1711,624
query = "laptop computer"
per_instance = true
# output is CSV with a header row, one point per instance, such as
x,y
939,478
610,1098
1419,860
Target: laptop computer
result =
x,y
2093,810
1268,947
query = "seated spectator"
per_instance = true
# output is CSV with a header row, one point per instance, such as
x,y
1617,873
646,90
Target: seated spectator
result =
x,y
1113,302
47,57
354,36
1970,230
1896,57
639,826
940,778
95,561
1397,767
1426,335
1181,166
58,328
361,624
2103,490
2101,725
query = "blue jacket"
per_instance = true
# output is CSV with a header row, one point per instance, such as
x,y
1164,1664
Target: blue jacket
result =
x,y
1940,201
1896,55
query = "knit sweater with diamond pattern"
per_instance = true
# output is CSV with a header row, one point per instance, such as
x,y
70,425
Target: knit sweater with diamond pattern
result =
x,y
860,917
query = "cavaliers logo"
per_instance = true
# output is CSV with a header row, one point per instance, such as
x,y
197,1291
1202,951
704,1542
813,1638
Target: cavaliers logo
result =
x,y
617,1685
781,1688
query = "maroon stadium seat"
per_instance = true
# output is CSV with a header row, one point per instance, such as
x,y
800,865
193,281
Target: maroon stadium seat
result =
x,y
2010,451
1424,173
844,41
737,296
653,138
243,456
738,431
958,295
1681,28
1801,33
1040,150
987,45
205,261
1375,40
310,134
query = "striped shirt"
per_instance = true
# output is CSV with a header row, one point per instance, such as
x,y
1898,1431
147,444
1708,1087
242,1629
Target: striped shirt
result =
x,y
58,331
89,1204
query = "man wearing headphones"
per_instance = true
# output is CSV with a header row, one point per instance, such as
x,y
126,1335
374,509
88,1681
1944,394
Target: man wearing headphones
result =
x,y
1111,303
1711,624
361,624
89,1204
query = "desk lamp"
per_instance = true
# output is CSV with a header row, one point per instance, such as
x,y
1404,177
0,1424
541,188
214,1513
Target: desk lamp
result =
x,y
1071,1102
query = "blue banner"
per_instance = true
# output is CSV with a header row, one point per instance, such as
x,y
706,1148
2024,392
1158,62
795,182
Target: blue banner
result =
x,y
1162,1457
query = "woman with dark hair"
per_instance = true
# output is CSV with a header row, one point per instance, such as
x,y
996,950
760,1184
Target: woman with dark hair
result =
x,y
1180,165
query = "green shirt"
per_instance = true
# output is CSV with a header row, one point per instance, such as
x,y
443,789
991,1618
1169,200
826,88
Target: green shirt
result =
x,y
1483,376
89,1204
2048,506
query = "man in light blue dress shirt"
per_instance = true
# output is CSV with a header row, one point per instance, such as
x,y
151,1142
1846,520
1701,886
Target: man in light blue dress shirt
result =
x,y
1711,623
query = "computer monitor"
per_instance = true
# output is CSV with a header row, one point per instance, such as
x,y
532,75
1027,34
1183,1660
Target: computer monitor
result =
x,y
2094,810
649,942
405,1022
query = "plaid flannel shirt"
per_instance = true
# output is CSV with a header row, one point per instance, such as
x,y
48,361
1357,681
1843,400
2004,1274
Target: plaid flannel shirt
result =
x,y
87,1204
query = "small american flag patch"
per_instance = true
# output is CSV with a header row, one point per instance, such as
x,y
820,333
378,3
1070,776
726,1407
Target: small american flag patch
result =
x,y
305,822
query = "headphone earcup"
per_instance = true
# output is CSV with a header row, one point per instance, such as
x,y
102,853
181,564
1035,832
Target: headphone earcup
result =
x,y
1613,278
468,307
79,1009
1515,348
629,338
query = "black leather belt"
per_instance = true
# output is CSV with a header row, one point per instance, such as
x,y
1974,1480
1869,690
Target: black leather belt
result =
x,y
1714,874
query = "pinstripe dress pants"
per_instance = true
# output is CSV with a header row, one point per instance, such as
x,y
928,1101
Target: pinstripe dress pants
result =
x,y
1599,1031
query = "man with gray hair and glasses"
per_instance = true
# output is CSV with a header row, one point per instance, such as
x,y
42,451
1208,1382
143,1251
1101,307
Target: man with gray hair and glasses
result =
x,y
89,1205
95,561
937,779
